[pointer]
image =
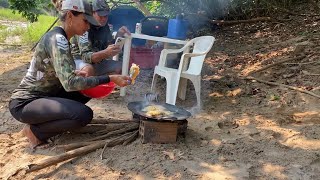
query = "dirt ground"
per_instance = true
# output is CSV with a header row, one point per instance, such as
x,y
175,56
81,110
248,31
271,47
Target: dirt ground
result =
x,y
245,129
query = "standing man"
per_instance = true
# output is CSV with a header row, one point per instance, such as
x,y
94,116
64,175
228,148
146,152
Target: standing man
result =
x,y
94,50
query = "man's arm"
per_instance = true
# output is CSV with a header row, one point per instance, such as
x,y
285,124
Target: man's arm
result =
x,y
87,54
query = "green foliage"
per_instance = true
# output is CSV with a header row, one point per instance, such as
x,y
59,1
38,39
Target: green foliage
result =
x,y
30,9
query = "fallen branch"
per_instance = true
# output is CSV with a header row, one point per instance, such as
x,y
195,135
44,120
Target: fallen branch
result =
x,y
282,85
279,62
223,22
63,157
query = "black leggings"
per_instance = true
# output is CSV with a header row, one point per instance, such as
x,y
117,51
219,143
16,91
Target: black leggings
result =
x,y
53,115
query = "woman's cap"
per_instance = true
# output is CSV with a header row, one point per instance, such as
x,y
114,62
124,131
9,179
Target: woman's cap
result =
x,y
80,6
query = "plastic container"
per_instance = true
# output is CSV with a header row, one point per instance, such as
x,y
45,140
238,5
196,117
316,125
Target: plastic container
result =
x,y
99,91
146,58
177,28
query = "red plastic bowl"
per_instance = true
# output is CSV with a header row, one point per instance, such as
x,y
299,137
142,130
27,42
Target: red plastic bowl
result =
x,y
99,91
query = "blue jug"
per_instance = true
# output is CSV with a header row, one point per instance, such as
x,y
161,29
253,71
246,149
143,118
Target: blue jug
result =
x,y
177,28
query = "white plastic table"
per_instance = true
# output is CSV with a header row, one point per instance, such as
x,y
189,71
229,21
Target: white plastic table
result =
x,y
127,48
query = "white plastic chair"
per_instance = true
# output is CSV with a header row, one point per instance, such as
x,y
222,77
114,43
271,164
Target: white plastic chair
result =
x,y
177,78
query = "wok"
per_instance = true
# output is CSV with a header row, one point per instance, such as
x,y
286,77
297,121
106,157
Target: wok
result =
x,y
177,113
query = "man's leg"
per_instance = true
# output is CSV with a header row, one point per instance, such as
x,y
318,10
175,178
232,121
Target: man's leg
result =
x,y
108,67
80,65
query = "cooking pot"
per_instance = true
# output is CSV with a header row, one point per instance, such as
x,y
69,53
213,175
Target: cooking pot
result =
x,y
176,113
154,26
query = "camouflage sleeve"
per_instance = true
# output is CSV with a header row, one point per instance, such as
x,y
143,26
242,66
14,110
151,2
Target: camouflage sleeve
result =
x,y
85,48
75,51
64,65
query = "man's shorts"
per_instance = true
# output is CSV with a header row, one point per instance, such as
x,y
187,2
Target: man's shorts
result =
x,y
102,68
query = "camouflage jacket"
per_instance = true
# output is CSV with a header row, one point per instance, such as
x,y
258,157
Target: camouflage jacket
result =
x,y
52,68
96,39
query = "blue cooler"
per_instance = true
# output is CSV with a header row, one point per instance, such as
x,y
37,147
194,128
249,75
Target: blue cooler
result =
x,y
177,28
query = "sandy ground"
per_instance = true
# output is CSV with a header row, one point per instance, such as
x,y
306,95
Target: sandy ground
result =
x,y
245,130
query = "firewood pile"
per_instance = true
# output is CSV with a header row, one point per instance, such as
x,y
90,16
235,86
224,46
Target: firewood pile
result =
x,y
107,133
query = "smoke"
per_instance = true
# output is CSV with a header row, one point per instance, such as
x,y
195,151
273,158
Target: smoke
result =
x,y
204,10
215,9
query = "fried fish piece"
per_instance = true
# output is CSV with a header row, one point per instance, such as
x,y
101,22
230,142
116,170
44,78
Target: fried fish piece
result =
x,y
155,111
134,72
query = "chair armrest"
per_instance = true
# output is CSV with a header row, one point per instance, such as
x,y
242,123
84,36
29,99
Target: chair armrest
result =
x,y
193,54
171,51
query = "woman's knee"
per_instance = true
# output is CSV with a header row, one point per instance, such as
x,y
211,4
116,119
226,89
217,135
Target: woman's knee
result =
x,y
85,116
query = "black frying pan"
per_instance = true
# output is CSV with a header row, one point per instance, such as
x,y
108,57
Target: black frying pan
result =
x,y
177,113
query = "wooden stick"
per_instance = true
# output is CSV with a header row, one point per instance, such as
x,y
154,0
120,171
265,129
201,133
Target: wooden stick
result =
x,y
91,128
116,141
279,62
64,156
282,85
112,127
68,147
131,138
120,131
110,120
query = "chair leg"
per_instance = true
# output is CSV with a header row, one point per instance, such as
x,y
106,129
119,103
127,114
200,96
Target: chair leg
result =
x,y
154,83
182,88
197,86
172,90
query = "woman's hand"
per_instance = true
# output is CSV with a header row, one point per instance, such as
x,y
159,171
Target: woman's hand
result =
x,y
120,80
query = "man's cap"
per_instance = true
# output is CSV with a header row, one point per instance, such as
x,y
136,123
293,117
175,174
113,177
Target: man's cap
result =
x,y
80,6
101,7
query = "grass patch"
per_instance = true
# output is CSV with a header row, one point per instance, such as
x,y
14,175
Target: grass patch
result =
x,y
35,30
7,14
29,35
